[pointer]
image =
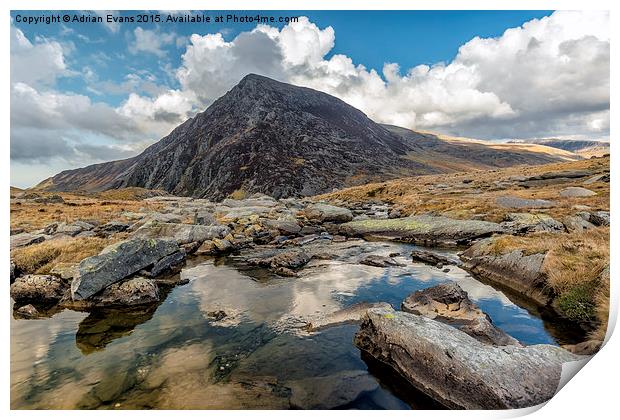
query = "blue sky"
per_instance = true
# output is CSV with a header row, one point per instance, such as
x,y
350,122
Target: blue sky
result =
x,y
85,93
370,38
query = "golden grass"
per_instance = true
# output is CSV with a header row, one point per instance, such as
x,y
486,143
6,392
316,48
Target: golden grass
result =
x,y
238,194
416,195
42,257
129,193
573,267
31,216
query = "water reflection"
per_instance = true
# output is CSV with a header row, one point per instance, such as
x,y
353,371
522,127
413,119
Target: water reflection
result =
x,y
175,355
102,327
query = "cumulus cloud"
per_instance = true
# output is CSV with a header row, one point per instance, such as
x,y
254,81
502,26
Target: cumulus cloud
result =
x,y
150,41
547,77
47,125
39,63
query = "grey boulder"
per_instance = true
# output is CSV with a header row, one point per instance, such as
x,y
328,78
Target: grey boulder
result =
x,y
576,224
328,213
423,229
432,258
523,223
450,304
117,262
455,369
523,203
515,269
181,233
35,288
600,218
137,291
168,263
576,192
25,239
285,227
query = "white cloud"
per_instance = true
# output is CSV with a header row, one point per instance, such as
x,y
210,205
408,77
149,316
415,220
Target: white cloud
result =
x,y
150,41
549,77
40,63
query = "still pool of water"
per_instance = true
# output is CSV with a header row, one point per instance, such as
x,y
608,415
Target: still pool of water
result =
x,y
175,355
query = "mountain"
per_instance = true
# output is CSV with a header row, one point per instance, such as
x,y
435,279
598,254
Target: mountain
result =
x,y
283,140
585,148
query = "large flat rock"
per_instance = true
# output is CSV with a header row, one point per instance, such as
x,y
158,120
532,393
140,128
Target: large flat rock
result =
x,y
25,239
455,369
117,262
182,233
512,202
424,228
328,213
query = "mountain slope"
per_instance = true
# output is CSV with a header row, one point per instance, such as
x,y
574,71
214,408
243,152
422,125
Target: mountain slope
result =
x,y
585,148
282,140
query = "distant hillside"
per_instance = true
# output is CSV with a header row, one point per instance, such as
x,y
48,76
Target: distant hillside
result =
x,y
275,138
584,148
453,154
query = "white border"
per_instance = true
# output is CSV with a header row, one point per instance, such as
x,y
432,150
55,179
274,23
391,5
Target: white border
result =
x,y
592,394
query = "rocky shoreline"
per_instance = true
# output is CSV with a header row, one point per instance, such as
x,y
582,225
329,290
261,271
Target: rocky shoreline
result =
x,y
439,333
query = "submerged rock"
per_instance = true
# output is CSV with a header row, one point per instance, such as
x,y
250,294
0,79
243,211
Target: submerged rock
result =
x,y
349,315
473,375
34,288
217,315
117,262
328,213
450,304
424,228
380,261
432,258
332,391
290,259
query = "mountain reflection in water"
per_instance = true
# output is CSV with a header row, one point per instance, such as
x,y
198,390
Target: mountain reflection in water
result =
x,y
175,355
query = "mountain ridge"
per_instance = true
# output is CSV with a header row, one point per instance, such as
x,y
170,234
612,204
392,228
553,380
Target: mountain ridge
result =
x,y
283,140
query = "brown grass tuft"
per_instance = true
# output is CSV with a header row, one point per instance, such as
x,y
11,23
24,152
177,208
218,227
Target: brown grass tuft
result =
x,y
42,257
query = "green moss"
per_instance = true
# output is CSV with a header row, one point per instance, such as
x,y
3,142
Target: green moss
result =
x,y
577,303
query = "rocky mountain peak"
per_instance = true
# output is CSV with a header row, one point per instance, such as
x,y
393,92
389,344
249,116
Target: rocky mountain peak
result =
x,y
269,137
